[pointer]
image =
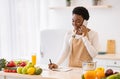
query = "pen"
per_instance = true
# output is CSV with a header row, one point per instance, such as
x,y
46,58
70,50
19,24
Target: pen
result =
x,y
50,61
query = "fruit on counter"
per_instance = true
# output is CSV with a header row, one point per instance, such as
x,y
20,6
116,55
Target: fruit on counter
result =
x,y
11,64
30,64
100,69
38,71
24,70
31,70
91,74
103,78
108,72
111,77
23,64
100,72
19,70
114,76
9,70
83,76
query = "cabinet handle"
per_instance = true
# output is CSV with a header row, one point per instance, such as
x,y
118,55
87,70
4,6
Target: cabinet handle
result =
x,y
115,62
42,54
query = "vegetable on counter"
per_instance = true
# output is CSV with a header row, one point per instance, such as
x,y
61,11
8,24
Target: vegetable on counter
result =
x,y
2,63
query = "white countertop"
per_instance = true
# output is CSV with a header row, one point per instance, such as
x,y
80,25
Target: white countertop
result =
x,y
75,73
108,56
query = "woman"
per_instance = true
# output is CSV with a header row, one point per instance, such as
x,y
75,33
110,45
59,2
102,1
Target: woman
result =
x,y
81,44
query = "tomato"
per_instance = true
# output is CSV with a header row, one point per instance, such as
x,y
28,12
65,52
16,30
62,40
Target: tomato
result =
x,y
14,71
5,70
9,70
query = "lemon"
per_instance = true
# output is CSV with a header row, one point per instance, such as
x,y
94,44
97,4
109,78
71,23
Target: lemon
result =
x,y
31,70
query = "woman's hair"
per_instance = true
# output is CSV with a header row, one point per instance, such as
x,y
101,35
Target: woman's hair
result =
x,y
81,11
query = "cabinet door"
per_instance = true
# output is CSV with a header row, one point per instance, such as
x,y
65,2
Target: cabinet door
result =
x,y
101,63
51,42
107,63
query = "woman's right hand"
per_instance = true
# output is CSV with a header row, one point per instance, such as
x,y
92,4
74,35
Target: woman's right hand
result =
x,y
52,66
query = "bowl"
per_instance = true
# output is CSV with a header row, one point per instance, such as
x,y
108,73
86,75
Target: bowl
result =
x,y
89,65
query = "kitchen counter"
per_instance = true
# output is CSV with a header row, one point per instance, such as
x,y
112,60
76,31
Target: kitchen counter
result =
x,y
108,56
75,73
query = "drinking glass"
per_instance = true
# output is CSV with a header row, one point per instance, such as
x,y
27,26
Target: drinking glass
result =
x,y
34,58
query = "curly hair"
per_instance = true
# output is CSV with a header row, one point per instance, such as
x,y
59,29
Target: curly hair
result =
x,y
81,11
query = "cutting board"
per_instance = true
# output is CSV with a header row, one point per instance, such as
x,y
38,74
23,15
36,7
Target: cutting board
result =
x,y
111,47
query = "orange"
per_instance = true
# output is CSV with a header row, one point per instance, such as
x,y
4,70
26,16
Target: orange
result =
x,y
91,74
100,74
100,69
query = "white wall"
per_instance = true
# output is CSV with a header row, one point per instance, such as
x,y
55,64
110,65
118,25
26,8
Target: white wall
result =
x,y
103,20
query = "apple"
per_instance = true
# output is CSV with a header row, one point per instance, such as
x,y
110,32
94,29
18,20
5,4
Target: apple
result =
x,y
24,70
23,64
19,70
11,64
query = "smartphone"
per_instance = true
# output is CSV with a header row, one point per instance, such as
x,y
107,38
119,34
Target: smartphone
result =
x,y
85,22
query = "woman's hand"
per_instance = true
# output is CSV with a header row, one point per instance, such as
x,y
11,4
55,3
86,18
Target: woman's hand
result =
x,y
84,30
52,66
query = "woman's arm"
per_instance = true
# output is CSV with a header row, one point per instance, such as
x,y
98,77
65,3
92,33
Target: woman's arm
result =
x,y
65,49
92,43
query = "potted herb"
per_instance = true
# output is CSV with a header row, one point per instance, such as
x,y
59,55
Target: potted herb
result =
x,y
97,2
68,2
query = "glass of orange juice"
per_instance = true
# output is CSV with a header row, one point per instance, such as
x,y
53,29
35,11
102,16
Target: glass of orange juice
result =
x,y
34,58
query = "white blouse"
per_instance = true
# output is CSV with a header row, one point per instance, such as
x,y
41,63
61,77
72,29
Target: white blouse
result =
x,y
91,42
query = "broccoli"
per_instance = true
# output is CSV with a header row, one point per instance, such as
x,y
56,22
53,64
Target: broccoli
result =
x,y
2,63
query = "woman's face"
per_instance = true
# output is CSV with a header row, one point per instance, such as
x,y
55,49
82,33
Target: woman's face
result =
x,y
77,21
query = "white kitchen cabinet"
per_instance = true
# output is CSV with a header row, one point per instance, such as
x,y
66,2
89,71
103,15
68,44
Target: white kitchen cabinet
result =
x,y
108,61
51,42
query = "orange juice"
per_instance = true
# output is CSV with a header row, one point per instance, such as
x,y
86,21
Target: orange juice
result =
x,y
34,59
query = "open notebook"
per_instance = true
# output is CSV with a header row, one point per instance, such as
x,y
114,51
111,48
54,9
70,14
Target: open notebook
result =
x,y
61,69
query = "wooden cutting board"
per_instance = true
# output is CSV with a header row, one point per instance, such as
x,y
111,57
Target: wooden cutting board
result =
x,y
111,47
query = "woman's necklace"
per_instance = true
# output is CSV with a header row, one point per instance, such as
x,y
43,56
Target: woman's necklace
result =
x,y
76,32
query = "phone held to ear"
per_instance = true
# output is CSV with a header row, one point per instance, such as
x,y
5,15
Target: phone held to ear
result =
x,y
85,22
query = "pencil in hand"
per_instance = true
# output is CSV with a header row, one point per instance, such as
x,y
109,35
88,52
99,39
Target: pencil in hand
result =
x,y
50,61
